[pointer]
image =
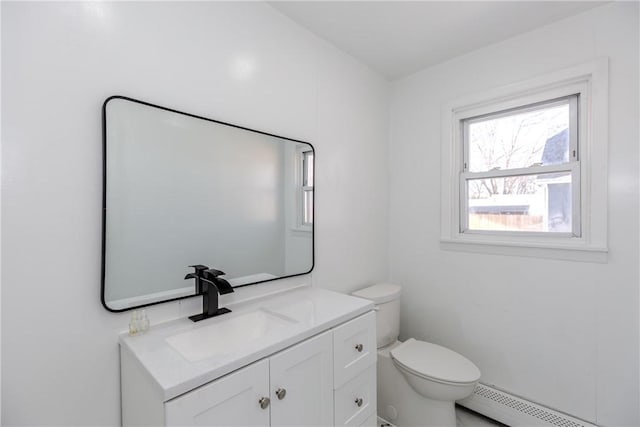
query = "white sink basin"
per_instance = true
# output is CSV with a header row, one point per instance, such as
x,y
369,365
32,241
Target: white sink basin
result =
x,y
229,335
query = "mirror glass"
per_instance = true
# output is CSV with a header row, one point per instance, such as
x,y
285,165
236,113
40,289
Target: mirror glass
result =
x,y
180,190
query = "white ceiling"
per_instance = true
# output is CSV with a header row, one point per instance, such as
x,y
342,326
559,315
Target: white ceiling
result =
x,y
397,38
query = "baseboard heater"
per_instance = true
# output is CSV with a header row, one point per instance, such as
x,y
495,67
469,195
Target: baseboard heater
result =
x,y
515,411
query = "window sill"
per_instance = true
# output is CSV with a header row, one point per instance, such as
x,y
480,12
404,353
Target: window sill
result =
x,y
569,252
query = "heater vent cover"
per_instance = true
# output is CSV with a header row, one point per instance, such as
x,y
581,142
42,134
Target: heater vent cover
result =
x,y
515,411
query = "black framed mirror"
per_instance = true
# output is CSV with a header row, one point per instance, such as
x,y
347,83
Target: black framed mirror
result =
x,y
181,189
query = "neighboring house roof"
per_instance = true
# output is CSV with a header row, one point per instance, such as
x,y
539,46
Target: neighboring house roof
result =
x,y
556,149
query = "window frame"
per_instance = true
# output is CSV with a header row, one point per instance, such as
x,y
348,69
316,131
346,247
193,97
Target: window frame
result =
x,y
590,82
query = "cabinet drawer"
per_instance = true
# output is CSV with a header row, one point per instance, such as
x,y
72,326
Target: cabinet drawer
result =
x,y
355,401
354,347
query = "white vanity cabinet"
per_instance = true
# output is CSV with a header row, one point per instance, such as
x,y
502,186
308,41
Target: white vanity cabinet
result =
x,y
325,379
291,388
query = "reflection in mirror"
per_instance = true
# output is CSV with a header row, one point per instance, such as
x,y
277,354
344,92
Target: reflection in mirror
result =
x,y
183,190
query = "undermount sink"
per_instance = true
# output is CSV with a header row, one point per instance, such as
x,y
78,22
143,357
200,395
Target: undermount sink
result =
x,y
227,335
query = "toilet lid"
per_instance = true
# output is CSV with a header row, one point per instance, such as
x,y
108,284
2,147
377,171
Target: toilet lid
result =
x,y
379,293
433,361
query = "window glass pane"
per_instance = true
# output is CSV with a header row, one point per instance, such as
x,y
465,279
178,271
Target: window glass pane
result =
x,y
307,173
308,207
521,203
520,139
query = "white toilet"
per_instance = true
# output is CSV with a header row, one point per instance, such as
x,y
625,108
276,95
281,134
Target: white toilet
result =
x,y
418,382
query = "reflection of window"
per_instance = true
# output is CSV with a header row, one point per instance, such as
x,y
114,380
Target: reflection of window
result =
x,y
521,169
306,187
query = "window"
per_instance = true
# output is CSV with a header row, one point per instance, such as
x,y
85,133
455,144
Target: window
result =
x,y
524,167
521,170
305,195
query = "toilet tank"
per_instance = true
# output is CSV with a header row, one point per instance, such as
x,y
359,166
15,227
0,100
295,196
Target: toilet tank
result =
x,y
386,298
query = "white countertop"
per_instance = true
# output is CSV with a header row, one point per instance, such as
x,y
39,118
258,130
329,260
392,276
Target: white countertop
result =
x,y
314,310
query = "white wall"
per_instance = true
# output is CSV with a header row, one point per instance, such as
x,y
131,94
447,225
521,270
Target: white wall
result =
x,y
561,333
242,63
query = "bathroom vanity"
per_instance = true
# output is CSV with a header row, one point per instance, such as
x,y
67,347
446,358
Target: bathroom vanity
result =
x,y
302,357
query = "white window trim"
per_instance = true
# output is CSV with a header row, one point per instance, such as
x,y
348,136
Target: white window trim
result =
x,y
591,81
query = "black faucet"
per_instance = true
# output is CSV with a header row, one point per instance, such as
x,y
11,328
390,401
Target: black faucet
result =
x,y
209,285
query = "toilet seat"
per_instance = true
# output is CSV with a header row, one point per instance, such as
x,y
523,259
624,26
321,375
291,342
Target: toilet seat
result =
x,y
435,363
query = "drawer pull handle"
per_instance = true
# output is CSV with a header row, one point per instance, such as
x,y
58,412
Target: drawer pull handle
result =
x,y
264,402
359,347
359,401
281,393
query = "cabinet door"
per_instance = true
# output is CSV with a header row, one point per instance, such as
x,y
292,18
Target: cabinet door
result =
x,y
302,384
233,400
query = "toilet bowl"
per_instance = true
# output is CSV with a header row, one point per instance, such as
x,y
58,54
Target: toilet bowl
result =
x,y
418,382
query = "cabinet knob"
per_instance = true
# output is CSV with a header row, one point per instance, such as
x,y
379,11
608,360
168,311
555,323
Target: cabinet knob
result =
x,y
264,402
359,347
281,393
359,401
